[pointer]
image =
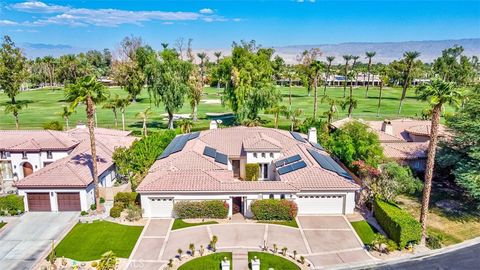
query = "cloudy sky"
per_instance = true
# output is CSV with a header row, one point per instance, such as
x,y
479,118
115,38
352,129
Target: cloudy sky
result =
x,y
215,24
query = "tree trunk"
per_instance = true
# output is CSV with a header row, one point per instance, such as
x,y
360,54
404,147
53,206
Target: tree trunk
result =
x,y
315,99
350,106
170,120
123,119
145,126
17,125
345,81
91,130
195,112
379,99
368,76
66,122
404,91
116,118
276,120
326,81
427,186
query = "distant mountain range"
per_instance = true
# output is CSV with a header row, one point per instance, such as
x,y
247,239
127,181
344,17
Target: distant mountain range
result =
x,y
386,51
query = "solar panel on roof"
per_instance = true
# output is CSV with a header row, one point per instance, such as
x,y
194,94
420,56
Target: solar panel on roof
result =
x,y
169,148
299,165
193,135
288,160
209,152
221,158
328,163
180,144
284,170
177,144
292,167
297,136
318,146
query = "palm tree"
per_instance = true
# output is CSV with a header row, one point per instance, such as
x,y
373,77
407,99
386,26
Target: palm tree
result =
x,y
123,104
144,117
383,74
293,116
329,66
203,60
217,55
332,108
276,111
185,125
113,105
347,58
15,108
369,56
315,67
65,114
164,45
437,93
409,59
89,91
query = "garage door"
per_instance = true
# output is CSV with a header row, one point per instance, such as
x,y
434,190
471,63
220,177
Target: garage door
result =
x,y
161,207
320,204
38,201
68,201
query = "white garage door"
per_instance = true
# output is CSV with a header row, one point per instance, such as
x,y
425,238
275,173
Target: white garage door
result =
x,y
320,204
161,207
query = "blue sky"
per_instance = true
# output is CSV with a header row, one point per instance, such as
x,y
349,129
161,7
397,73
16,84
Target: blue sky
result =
x,y
215,24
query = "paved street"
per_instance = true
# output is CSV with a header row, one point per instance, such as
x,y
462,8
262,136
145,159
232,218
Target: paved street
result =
x,y
24,243
323,240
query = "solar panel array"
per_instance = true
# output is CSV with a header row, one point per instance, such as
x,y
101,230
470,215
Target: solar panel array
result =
x,y
219,157
288,160
297,136
318,146
292,167
328,163
178,143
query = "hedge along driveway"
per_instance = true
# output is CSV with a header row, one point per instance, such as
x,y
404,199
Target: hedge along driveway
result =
x,y
87,242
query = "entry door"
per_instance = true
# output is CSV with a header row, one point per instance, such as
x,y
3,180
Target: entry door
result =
x,y
27,169
69,201
237,205
38,202
236,168
161,207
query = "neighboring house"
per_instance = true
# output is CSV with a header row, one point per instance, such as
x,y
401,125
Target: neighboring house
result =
x,y
211,164
59,174
403,140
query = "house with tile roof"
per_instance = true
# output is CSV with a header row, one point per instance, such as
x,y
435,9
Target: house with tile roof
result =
x,y
53,169
403,140
211,164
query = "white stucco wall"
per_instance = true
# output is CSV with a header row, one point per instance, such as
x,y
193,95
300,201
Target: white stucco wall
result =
x,y
263,160
35,158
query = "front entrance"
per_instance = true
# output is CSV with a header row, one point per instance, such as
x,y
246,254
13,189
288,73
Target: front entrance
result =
x,y
27,169
237,205
236,168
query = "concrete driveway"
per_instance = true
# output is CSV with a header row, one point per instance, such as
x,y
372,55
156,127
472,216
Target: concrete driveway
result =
x,y
323,240
26,241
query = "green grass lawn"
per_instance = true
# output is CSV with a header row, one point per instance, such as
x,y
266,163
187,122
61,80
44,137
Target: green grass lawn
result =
x,y
290,223
44,105
87,242
180,224
209,262
2,224
365,231
268,261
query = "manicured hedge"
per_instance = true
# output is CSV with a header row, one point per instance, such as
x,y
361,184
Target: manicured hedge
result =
x,y
125,198
201,209
398,224
11,205
116,211
252,171
271,209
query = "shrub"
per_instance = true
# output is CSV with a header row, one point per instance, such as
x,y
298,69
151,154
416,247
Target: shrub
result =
x,y
381,239
102,200
434,241
93,207
252,171
201,209
398,224
94,264
83,213
134,212
116,211
53,125
12,204
271,209
125,198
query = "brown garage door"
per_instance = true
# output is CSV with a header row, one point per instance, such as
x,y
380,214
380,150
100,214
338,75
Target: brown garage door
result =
x,y
68,201
38,201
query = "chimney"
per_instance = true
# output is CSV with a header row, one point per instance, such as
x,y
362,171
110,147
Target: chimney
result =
x,y
387,127
81,125
312,135
213,124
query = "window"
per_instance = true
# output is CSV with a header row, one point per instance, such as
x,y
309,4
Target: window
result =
x,y
254,155
271,155
49,155
263,155
263,171
45,164
271,196
24,155
282,196
3,155
6,169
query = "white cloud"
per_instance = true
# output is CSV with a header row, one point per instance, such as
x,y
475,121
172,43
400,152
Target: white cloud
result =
x,y
206,11
64,15
7,23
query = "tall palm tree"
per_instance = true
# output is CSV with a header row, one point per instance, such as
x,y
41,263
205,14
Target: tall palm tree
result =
x,y
332,108
347,58
217,55
409,59
123,104
144,115
113,105
293,116
91,92
369,56
437,93
329,66
203,60
15,108
316,67
65,114
276,111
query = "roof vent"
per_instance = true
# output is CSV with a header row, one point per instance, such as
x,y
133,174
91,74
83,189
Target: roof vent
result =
x,y
312,135
387,127
213,124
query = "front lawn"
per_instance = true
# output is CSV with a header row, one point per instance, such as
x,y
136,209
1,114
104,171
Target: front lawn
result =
x,y
209,262
88,241
289,223
268,261
2,224
180,224
365,231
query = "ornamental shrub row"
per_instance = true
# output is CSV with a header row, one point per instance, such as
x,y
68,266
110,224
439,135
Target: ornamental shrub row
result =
x,y
398,224
252,171
201,209
271,209
11,205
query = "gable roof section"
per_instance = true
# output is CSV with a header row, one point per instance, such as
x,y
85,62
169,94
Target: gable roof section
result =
x,y
36,140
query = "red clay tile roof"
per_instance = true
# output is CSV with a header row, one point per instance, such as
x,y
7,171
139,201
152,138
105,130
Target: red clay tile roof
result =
x,y
36,140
